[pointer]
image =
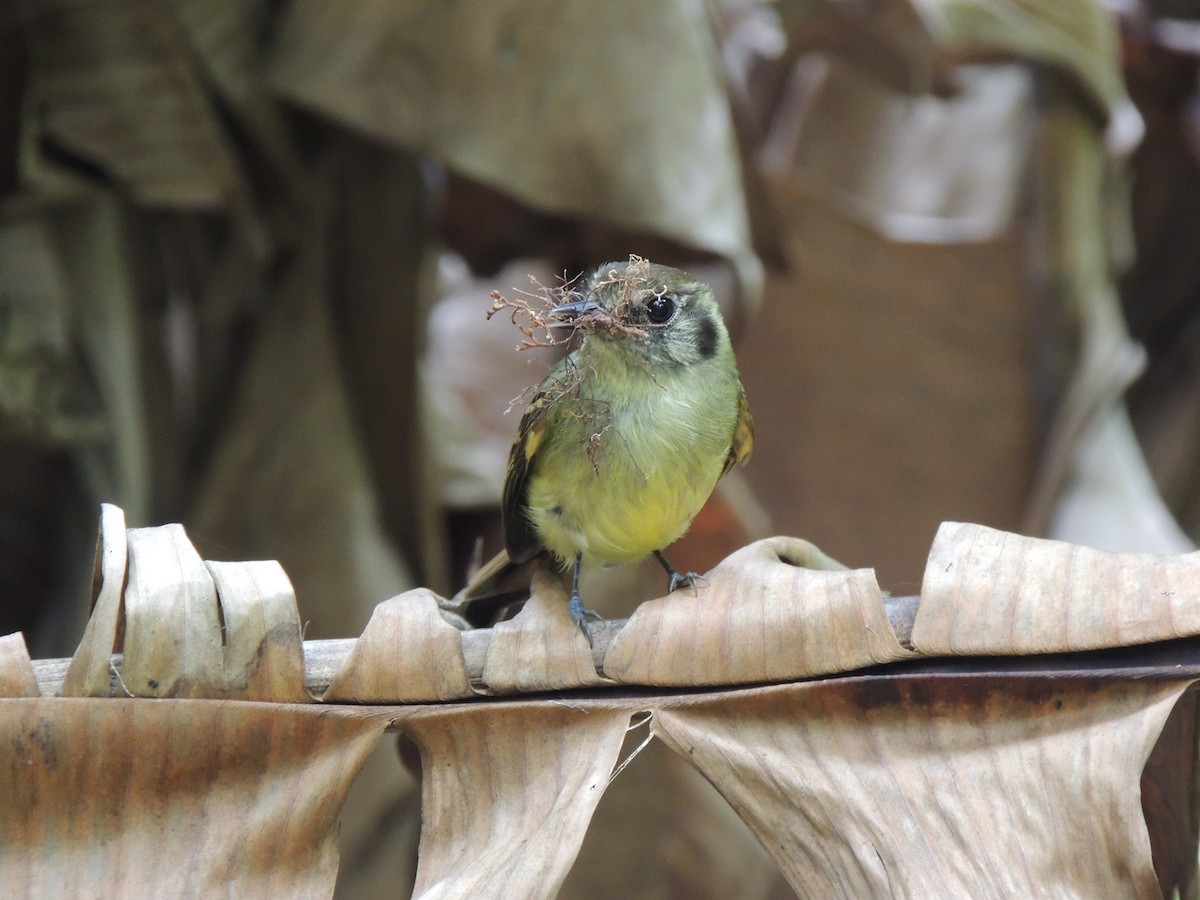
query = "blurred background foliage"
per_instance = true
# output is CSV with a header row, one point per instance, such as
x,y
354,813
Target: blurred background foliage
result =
x,y
246,250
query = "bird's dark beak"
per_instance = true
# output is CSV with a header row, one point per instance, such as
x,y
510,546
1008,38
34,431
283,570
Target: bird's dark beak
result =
x,y
564,316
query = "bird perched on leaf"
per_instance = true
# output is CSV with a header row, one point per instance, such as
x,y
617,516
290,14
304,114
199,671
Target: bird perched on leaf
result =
x,y
628,434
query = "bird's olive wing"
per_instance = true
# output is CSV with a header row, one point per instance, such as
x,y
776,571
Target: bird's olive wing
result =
x,y
743,435
520,538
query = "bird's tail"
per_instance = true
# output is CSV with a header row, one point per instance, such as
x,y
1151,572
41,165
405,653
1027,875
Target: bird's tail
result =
x,y
494,585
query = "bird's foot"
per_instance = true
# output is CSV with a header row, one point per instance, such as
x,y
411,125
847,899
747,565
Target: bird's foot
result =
x,y
580,615
676,581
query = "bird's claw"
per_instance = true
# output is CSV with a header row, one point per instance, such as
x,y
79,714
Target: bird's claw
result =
x,y
692,579
580,615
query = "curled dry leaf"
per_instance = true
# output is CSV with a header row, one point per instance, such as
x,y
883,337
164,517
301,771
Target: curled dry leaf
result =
x,y
407,653
939,781
761,615
172,631
16,668
540,649
991,592
263,646
184,798
89,674
507,794
599,145
985,787
117,88
187,627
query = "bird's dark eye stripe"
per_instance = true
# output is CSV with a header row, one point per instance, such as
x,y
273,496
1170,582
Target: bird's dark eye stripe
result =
x,y
660,308
706,337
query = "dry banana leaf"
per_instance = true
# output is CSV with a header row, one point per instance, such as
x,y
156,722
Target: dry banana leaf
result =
x,y
172,631
118,101
914,44
1076,36
17,678
187,627
953,164
989,592
90,238
951,777
262,657
761,615
528,98
43,397
132,798
507,793
943,460
540,649
228,37
987,787
407,654
89,672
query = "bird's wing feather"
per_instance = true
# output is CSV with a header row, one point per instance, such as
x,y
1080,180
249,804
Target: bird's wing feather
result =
x,y
507,570
520,538
497,577
743,435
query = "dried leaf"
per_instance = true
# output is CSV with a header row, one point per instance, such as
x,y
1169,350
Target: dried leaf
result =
x,y
924,782
133,798
540,649
916,44
988,591
188,628
43,394
379,303
408,653
952,167
911,429
115,88
228,37
454,82
172,632
988,787
17,678
89,673
507,793
264,656
758,616
1075,36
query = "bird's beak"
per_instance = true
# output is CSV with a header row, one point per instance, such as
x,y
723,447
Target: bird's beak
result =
x,y
564,316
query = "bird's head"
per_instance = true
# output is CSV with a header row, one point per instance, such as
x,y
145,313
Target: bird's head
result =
x,y
660,315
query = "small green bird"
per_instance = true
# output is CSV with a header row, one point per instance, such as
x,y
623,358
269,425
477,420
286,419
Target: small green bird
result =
x,y
628,434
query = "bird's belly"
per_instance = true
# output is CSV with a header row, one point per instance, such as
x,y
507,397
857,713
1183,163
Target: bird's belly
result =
x,y
617,515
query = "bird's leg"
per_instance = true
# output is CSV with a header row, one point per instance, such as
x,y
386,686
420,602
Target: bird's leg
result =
x,y
674,579
579,613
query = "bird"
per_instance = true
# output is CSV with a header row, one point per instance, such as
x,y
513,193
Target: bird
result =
x,y
628,434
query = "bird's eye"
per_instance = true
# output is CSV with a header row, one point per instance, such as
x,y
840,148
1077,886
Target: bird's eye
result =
x,y
660,309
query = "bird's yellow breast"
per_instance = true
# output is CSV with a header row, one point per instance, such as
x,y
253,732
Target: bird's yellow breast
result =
x,y
626,470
